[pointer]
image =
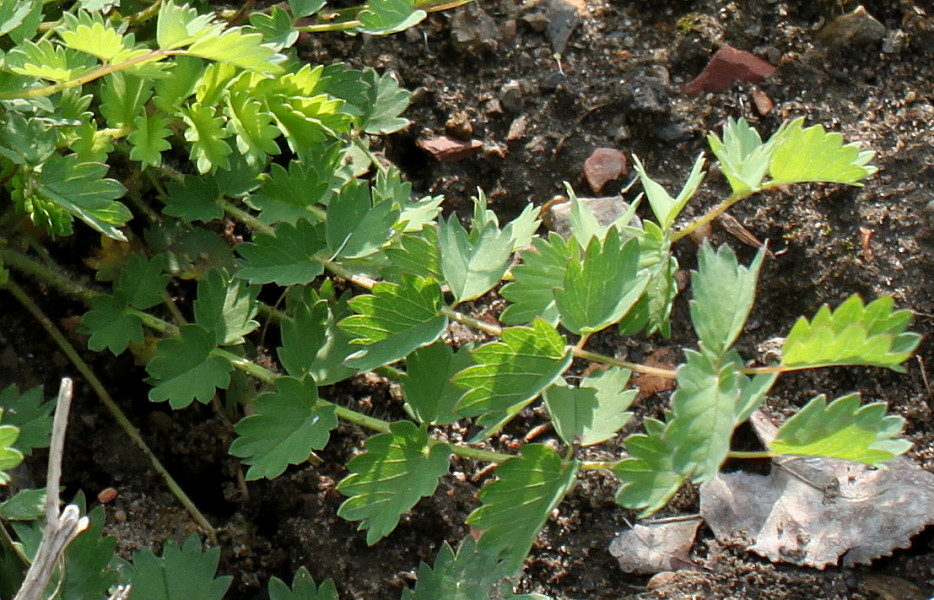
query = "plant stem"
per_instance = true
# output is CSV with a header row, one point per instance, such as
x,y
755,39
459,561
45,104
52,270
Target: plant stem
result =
x,y
751,455
109,404
710,215
45,274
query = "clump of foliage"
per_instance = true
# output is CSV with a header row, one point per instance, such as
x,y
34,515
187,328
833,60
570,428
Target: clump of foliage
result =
x,y
206,122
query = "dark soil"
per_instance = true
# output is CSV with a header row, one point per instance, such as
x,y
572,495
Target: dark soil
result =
x,y
616,84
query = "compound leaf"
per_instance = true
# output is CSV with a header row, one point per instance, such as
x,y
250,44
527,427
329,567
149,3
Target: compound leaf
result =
x,y
467,575
853,334
397,469
648,476
253,126
842,429
234,46
744,159
48,61
723,295
303,588
290,195
206,133
601,287
10,457
286,258
382,17
386,101
355,226
594,411
91,36
122,98
193,199
226,307
186,370
313,343
110,325
148,140
512,372
816,155
394,320
29,413
286,426
179,26
185,573
665,208
515,506
430,395
531,292
415,255
472,264
143,281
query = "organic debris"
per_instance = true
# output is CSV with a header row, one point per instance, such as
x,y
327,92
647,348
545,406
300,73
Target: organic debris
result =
x,y
663,546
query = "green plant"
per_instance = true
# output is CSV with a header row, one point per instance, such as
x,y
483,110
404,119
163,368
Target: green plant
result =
x,y
281,149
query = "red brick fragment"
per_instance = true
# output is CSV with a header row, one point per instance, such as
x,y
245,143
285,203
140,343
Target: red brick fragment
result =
x,y
603,166
727,65
447,149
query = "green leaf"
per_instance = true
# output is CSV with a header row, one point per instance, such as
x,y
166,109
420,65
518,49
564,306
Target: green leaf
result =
x,y
467,575
291,195
355,227
531,293
665,208
185,573
172,91
815,155
842,429
186,370
193,199
652,312
276,28
25,505
29,413
723,295
82,190
415,255
289,257
253,126
394,320
594,411
852,334
397,469
110,325
12,14
48,61
26,141
149,139
512,372
515,506
744,159
10,457
382,17
92,36
226,307
430,395
143,281
602,287
303,588
286,426
88,559
649,479
472,264
206,133
385,102
179,26
304,8
123,98
235,46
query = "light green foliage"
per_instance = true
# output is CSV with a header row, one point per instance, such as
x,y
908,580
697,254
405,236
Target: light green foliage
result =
x,y
842,429
389,16
25,505
186,370
30,414
430,394
149,139
665,208
812,154
303,588
744,159
185,573
10,457
853,334
286,426
595,410
515,506
397,469
649,479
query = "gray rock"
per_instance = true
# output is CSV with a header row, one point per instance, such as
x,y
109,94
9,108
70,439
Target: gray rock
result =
x,y
853,29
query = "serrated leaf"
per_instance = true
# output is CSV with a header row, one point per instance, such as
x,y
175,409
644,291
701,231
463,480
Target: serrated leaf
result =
x,y
842,429
816,155
235,46
601,287
386,100
180,573
291,195
289,257
313,343
206,133
286,426
82,190
723,294
303,588
110,325
26,141
355,226
515,506
29,413
512,372
396,471
472,264
253,126
92,36
87,559
123,98
415,255
179,26
276,28
430,395
25,505
382,17
852,334
10,457
531,292
186,370
226,307
744,159
304,8
48,61
649,479
594,411
467,575
193,199
143,281
12,14
665,208
172,91
394,320
149,139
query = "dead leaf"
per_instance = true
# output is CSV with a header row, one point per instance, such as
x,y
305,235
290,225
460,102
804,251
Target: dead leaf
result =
x,y
657,547
649,385
815,511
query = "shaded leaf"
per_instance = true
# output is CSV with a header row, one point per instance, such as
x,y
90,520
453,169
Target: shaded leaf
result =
x,y
594,411
143,281
386,101
29,413
382,17
303,588
185,369
531,292
193,199
185,573
110,325
648,476
467,575
289,257
430,395
226,307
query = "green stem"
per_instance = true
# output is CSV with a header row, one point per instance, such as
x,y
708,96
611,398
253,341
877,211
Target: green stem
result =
x,y
598,465
109,404
757,455
246,218
635,367
45,274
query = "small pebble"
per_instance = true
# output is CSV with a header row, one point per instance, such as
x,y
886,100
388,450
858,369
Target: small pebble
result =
x,y
106,495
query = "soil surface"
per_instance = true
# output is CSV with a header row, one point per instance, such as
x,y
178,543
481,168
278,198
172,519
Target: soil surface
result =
x,y
540,97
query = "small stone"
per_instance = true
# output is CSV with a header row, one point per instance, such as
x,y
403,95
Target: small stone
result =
x,y
853,29
563,17
603,166
517,129
120,516
473,31
557,213
727,65
106,495
459,126
537,21
762,102
447,149
511,96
